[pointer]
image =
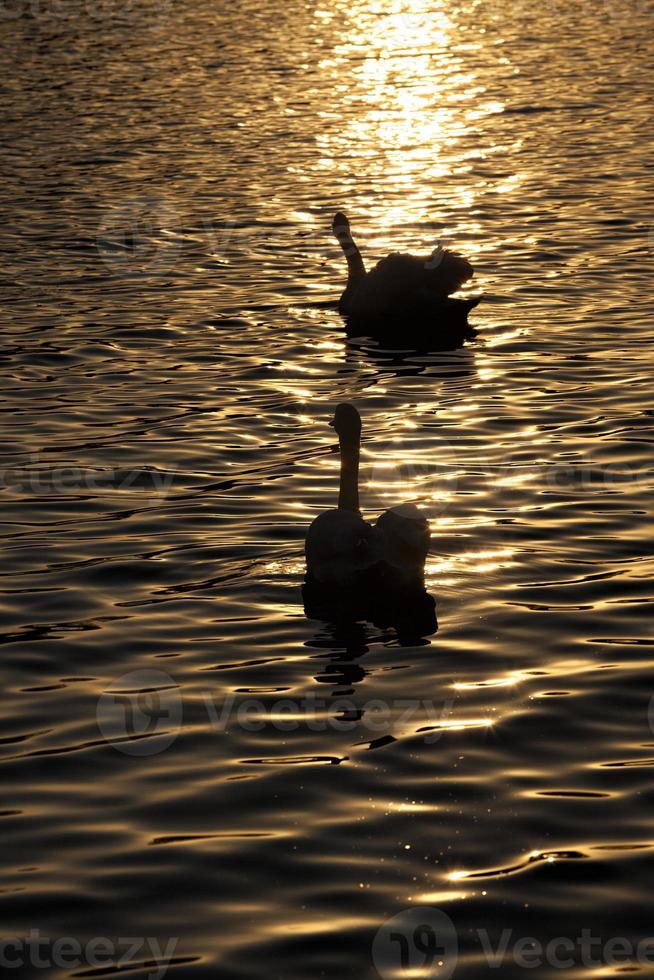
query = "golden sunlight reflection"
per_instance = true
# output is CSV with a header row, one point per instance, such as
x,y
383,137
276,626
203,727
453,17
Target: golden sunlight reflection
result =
x,y
502,338
522,864
286,567
300,394
418,104
403,807
433,898
246,709
508,681
461,724
448,569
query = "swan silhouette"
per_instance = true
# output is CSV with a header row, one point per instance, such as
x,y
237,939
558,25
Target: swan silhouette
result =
x,y
343,550
404,290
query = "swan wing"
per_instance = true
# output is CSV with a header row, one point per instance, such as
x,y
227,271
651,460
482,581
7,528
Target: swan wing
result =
x,y
447,271
406,536
339,545
398,274
409,285
385,288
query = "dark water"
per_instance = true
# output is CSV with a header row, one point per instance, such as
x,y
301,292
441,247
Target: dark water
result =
x,y
267,790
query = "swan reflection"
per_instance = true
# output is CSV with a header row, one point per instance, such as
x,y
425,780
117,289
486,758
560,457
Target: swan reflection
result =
x,y
391,359
408,611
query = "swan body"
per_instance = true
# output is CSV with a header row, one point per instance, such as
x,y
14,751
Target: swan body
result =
x,y
404,289
342,549
405,536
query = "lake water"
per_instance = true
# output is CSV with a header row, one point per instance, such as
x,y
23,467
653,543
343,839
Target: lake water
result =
x,y
170,362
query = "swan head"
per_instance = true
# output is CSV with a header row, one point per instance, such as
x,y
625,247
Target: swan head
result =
x,y
347,423
340,224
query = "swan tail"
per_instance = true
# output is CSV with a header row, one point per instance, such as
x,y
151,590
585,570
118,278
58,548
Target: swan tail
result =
x,y
448,271
341,229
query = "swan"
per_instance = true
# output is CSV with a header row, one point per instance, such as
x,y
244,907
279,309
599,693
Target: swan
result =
x,y
342,549
412,288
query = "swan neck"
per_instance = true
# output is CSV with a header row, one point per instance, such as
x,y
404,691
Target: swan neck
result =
x,y
355,266
348,493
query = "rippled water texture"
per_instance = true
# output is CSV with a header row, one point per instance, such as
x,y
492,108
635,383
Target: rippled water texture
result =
x,y
170,362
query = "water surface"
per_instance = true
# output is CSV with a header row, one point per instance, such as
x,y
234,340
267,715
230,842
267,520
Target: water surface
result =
x,y
170,363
